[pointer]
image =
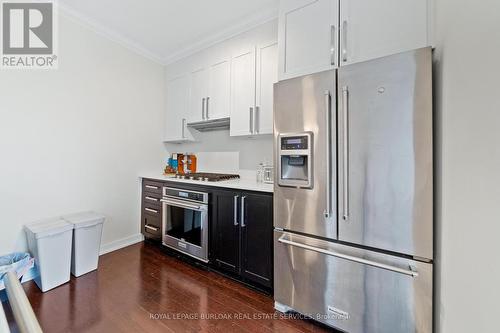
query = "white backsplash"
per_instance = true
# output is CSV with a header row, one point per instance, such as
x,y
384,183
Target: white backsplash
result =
x,y
222,162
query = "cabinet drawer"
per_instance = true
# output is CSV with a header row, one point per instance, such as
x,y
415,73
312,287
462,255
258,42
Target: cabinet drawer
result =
x,y
151,226
149,186
150,199
151,209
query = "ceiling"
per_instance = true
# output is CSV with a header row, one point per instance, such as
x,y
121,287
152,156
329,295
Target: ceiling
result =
x,y
166,30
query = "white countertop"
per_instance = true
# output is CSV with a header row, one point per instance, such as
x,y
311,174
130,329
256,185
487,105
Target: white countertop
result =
x,y
239,184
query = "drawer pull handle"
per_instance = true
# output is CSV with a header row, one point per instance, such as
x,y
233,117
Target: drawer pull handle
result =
x,y
151,228
151,199
409,272
152,187
151,210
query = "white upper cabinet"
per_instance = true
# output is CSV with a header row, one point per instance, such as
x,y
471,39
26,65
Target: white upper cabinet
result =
x,y
376,28
266,77
198,95
218,98
177,104
231,79
210,92
308,35
254,72
317,35
243,93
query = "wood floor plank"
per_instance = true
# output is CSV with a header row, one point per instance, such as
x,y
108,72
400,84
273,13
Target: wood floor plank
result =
x,y
141,289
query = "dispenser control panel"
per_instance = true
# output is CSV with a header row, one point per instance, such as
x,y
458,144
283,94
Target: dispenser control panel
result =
x,y
294,142
295,168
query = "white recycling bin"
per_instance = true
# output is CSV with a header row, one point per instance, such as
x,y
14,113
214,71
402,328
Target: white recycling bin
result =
x,y
49,242
86,241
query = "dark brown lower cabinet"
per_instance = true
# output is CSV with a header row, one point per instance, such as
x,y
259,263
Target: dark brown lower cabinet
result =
x,y
242,229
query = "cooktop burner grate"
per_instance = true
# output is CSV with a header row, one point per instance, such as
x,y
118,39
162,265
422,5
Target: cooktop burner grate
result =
x,y
209,177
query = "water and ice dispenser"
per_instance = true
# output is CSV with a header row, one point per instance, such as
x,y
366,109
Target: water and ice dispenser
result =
x,y
295,160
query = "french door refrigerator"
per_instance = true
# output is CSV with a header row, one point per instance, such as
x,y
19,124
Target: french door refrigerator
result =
x,y
353,195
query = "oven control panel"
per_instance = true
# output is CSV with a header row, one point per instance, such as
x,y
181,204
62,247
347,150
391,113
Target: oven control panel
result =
x,y
185,194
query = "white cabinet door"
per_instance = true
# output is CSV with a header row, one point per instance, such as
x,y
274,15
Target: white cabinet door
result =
x,y
198,95
242,93
308,36
376,28
177,106
267,76
218,103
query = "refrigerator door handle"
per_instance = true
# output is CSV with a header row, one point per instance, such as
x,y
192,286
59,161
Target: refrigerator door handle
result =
x,y
328,152
410,272
345,151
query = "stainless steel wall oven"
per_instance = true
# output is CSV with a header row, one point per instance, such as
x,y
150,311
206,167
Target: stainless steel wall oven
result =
x,y
185,221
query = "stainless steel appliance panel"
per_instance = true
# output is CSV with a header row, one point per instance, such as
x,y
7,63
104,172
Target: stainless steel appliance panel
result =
x,y
307,104
385,153
351,289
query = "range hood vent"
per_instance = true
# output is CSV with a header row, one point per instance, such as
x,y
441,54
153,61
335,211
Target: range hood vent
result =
x,y
210,125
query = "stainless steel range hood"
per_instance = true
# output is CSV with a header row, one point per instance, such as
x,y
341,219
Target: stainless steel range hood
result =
x,y
210,125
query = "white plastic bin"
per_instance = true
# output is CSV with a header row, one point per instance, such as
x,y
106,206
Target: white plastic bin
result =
x,y
86,241
49,242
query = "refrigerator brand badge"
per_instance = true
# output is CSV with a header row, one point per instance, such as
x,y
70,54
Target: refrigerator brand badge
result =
x,y
28,34
337,313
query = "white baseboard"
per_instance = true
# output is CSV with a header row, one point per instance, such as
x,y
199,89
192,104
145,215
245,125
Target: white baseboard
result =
x,y
121,243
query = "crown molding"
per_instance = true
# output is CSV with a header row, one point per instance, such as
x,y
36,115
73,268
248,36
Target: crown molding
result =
x,y
249,23
108,33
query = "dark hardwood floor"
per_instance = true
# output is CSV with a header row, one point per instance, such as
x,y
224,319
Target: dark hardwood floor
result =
x,y
140,289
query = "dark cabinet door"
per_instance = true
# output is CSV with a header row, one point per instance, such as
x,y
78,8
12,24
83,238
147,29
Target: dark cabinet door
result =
x,y
225,231
257,238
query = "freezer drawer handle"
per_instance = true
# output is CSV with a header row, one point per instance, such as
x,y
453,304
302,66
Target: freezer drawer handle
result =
x,y
409,272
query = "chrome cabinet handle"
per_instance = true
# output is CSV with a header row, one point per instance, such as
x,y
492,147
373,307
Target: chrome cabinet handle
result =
x,y
328,152
152,187
409,272
256,120
203,108
236,209
151,210
332,45
150,227
151,199
183,125
344,42
242,217
251,120
345,151
206,108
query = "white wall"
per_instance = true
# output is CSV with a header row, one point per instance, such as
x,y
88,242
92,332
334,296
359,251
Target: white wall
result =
x,y
467,92
76,138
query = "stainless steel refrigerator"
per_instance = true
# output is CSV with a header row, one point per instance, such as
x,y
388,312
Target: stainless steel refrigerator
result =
x,y
353,195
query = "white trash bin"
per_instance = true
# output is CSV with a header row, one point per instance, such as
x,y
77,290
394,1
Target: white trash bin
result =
x,y
49,242
86,241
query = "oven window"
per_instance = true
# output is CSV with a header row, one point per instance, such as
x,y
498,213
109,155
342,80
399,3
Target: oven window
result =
x,y
184,224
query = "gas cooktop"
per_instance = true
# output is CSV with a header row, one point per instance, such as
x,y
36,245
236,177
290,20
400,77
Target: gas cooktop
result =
x,y
208,177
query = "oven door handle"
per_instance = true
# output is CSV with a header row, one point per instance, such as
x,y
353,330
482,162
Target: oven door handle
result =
x,y
182,204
